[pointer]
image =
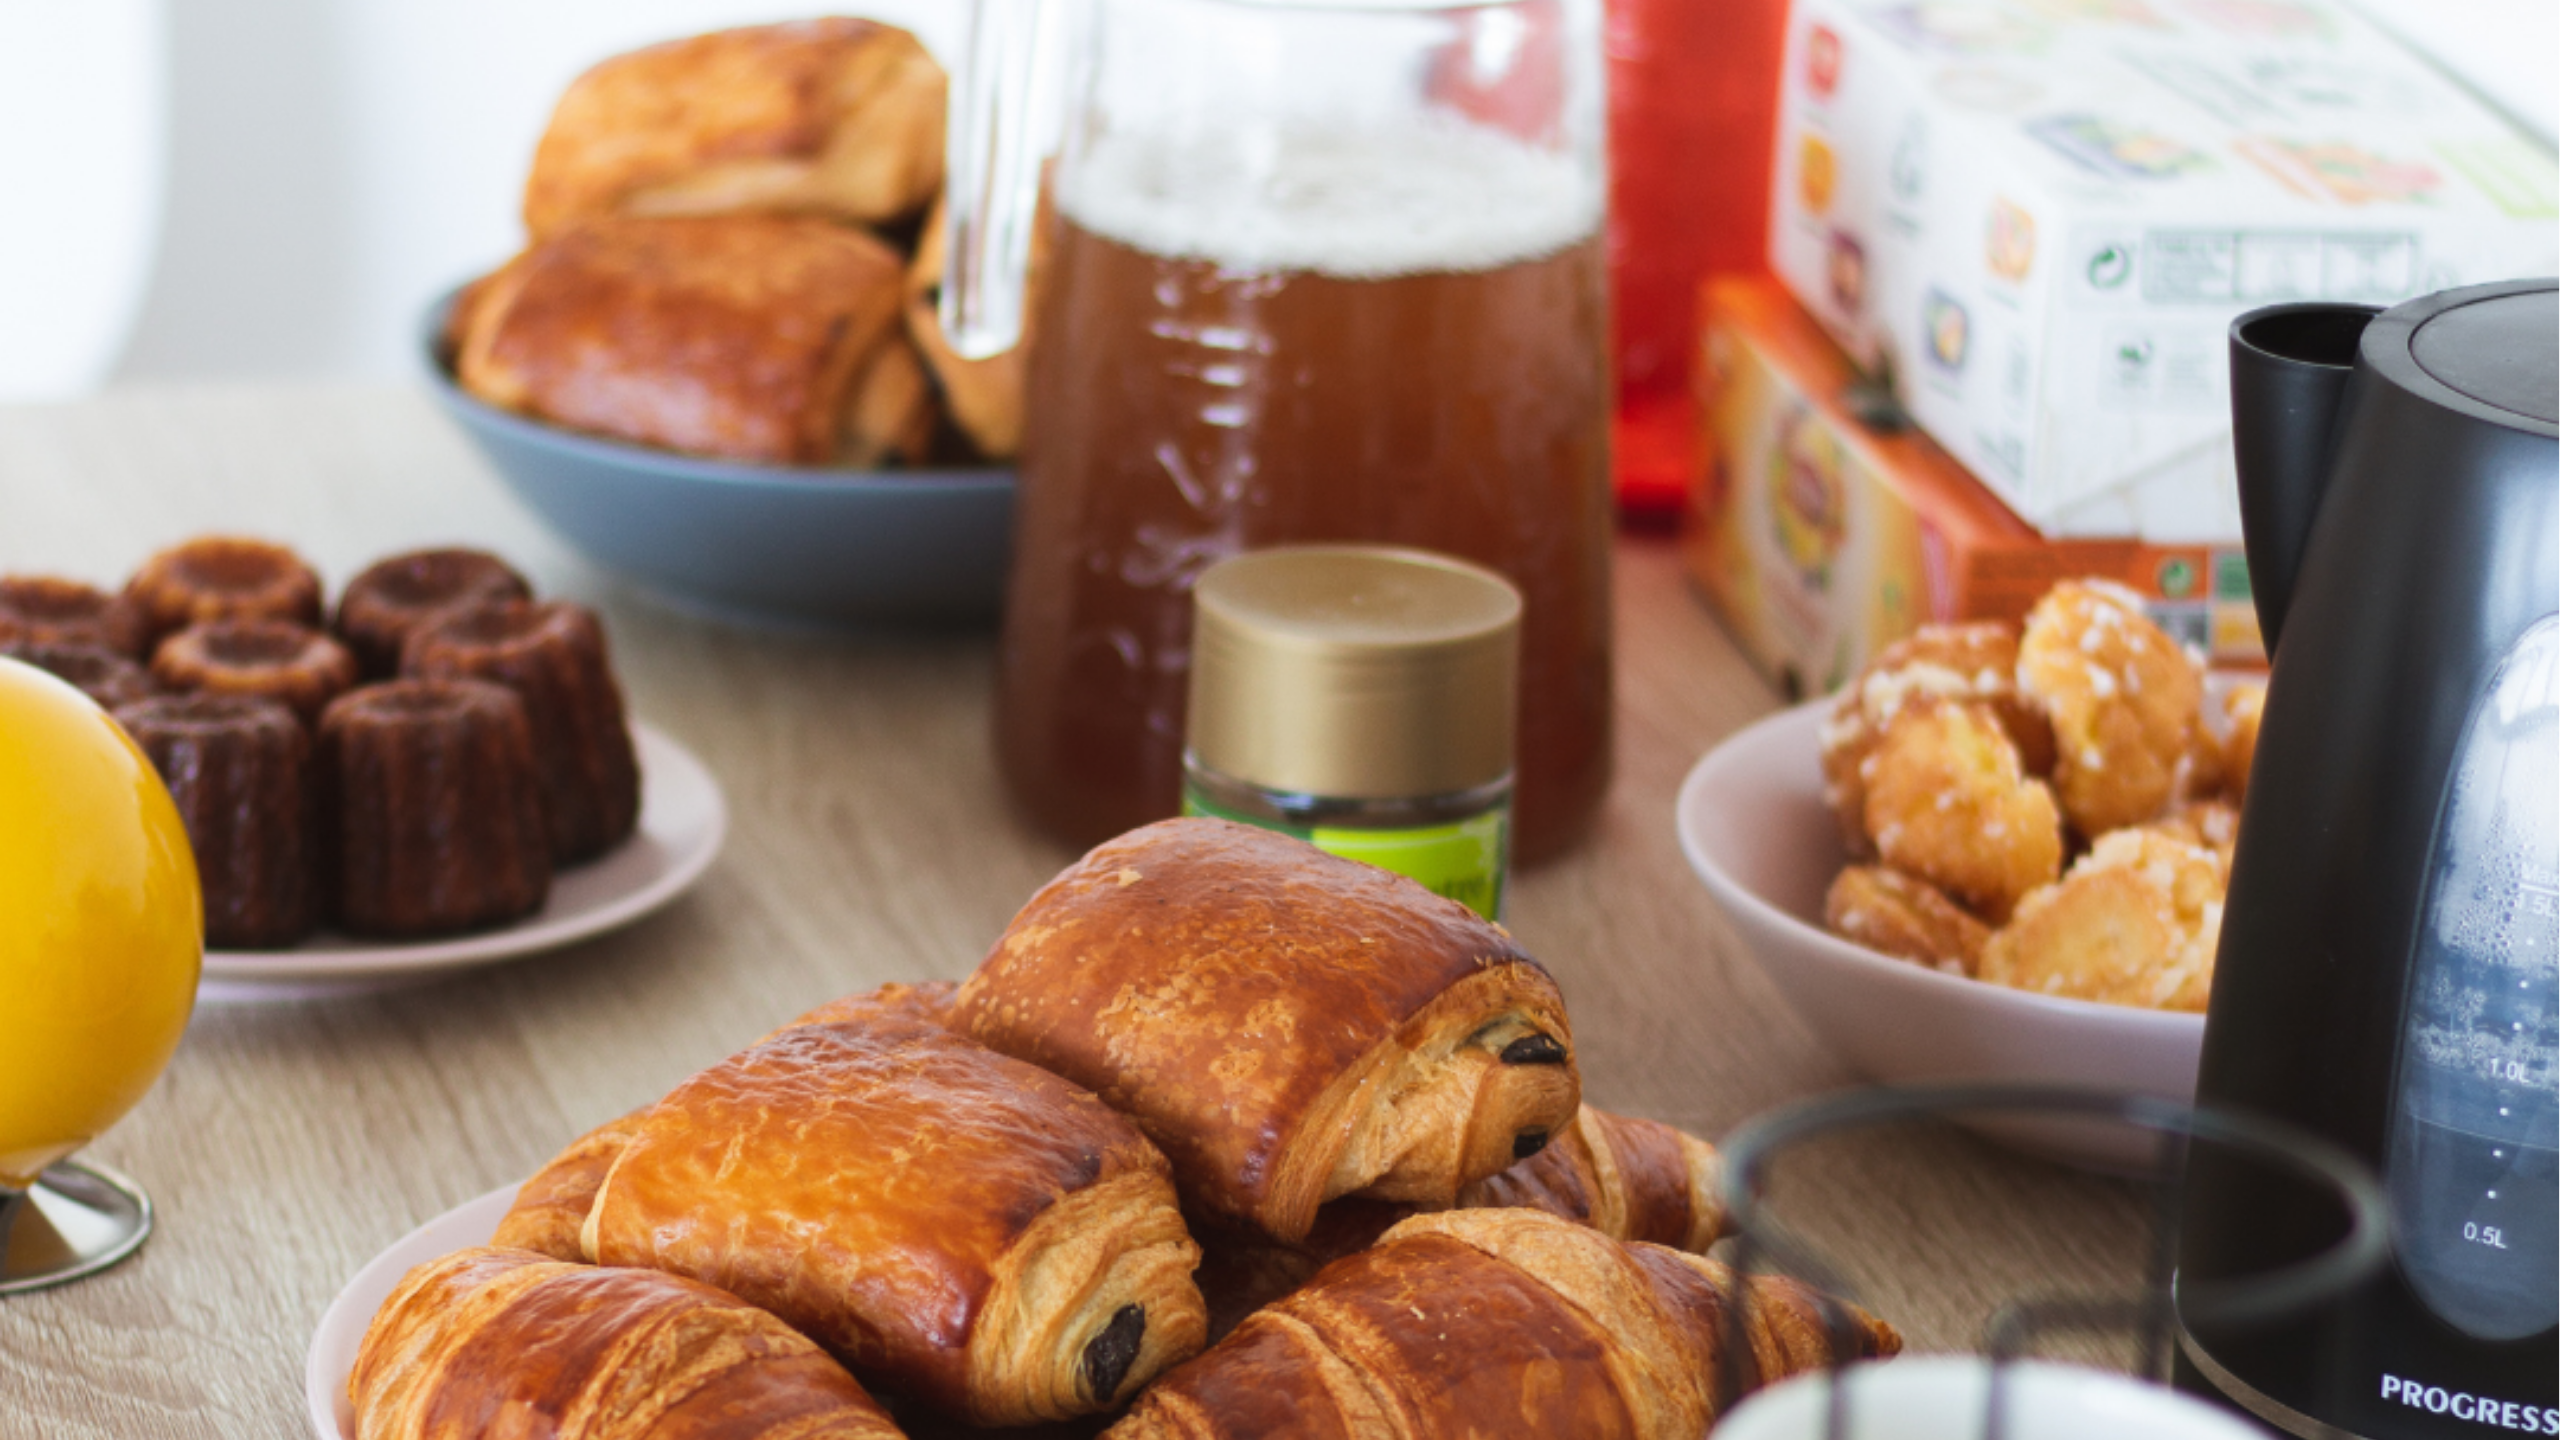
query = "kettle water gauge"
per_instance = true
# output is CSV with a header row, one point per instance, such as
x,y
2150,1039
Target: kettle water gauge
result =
x,y
2473,1170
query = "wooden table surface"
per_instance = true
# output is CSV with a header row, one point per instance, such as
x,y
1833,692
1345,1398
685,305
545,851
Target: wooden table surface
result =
x,y
869,841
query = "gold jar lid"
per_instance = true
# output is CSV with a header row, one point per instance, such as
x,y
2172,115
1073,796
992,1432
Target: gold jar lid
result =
x,y
1354,671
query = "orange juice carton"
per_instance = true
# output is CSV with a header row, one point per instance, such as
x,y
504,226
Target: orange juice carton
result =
x,y
1822,527
2037,219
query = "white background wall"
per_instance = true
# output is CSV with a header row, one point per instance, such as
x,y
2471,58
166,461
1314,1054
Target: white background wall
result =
x,y
333,164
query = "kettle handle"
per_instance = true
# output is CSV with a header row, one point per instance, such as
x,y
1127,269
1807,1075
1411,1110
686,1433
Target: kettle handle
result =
x,y
1004,110
2289,370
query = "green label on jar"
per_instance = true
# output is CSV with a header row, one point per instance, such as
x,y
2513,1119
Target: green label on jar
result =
x,y
1462,859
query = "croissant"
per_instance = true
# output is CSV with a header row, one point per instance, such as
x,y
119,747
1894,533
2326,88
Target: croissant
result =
x,y
954,1225
1502,1322
1288,1026
486,1342
835,117
1627,1178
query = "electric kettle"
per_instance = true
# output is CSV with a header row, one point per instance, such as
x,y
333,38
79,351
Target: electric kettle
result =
x,y
2391,940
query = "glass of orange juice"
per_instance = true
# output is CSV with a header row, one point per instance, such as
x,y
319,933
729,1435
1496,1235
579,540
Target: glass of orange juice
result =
x,y
101,939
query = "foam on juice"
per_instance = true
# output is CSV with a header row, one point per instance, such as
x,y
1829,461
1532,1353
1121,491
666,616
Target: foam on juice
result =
x,y
1430,196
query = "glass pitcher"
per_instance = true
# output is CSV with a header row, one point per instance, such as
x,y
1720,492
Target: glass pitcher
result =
x,y
1306,272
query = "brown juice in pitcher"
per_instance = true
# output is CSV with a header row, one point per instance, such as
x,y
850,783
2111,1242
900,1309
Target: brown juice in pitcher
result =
x,y
1184,406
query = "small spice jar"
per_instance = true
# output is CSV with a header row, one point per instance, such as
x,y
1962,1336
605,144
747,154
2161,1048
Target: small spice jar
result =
x,y
1361,698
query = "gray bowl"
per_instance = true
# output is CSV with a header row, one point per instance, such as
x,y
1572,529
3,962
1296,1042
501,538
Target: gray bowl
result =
x,y
764,544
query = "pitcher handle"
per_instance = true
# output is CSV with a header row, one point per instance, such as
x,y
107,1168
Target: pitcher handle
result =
x,y
1002,109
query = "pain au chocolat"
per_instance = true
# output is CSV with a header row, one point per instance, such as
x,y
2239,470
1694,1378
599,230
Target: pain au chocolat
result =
x,y
504,1342
550,1210
549,1215
741,337
1627,1178
1503,1322
956,1226
1290,1027
833,117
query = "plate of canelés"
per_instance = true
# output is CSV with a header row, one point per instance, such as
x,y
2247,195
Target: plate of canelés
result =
x,y
434,773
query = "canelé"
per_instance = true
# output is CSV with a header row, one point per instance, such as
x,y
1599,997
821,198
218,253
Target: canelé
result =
x,y
219,577
382,605
431,808
239,768
46,609
103,674
552,655
279,659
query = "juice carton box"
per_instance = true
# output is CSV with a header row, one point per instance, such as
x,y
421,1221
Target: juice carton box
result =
x,y
2037,219
1823,528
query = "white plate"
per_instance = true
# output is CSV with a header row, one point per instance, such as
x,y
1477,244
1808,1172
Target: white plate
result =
x,y
342,1325
1754,825
682,821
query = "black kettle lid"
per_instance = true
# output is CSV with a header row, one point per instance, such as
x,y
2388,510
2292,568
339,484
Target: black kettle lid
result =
x,y
2495,346
2502,351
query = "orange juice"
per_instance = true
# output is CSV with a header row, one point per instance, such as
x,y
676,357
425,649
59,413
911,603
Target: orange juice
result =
x,y
101,924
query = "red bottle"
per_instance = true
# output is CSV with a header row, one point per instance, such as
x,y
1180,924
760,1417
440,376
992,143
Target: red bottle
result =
x,y
1693,100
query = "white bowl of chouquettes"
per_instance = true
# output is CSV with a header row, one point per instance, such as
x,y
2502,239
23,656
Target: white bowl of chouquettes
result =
x,y
1999,853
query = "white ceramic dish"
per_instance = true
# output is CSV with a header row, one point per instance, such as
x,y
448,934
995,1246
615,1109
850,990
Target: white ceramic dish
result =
x,y
333,1346
1754,826
1942,1397
682,822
